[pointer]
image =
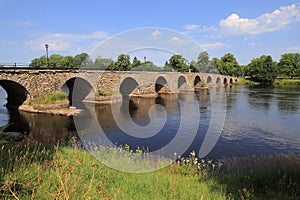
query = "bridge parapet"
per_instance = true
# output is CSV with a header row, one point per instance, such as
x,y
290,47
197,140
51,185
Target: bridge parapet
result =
x,y
24,83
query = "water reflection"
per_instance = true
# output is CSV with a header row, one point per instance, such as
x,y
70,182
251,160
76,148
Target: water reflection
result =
x,y
258,120
288,102
260,98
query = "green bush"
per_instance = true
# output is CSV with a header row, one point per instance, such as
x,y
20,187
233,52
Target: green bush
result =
x,y
51,98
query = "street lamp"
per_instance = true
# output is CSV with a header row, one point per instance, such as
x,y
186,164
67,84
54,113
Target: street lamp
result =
x,y
47,61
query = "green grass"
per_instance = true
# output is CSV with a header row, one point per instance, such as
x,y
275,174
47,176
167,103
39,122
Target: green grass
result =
x,y
287,82
51,98
277,82
52,172
105,93
246,82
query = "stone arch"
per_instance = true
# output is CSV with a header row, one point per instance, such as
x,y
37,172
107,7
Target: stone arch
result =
x,y
231,81
79,89
225,82
197,81
16,94
209,80
128,86
182,83
161,85
218,81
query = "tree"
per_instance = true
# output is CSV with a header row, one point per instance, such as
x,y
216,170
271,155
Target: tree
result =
x,y
56,61
123,63
81,60
103,63
179,63
203,62
230,66
67,62
39,62
262,70
136,62
289,65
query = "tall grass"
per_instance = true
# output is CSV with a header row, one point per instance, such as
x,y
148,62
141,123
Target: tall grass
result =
x,y
54,172
287,82
51,98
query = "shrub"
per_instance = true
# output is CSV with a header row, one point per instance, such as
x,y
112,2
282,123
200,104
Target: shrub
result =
x,y
51,98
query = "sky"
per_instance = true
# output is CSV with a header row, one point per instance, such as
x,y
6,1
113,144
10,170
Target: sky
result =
x,y
247,29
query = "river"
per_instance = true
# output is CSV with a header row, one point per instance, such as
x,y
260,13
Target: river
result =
x,y
257,121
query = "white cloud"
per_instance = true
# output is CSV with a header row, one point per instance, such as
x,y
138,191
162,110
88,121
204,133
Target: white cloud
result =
x,y
64,41
189,28
268,22
175,38
211,46
155,34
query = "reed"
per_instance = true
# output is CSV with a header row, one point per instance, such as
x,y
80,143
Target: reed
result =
x,y
35,171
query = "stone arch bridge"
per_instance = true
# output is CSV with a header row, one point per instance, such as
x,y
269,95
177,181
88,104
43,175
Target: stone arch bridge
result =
x,y
22,84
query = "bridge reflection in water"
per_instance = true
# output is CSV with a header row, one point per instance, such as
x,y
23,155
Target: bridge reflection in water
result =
x,y
247,129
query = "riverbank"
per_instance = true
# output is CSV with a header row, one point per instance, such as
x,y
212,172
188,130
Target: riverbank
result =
x,y
68,111
277,83
52,172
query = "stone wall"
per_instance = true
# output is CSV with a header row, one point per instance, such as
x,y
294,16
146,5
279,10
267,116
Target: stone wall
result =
x,y
37,82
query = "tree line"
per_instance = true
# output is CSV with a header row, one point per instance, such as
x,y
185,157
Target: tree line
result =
x,y
263,69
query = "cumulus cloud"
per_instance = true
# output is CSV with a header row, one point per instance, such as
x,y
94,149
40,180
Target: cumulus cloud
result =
x,y
175,38
189,28
155,34
63,41
268,22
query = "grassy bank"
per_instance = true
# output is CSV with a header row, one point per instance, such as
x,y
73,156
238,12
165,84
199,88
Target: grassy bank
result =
x,y
51,98
49,172
287,82
277,82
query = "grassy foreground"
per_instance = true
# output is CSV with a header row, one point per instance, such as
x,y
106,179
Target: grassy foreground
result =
x,y
51,98
49,172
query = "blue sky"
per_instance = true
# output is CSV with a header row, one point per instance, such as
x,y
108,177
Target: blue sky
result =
x,y
246,28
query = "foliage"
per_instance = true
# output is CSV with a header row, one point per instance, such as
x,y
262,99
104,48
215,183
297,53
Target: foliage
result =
x,y
40,62
229,66
122,64
34,171
102,63
203,64
51,98
136,62
289,65
262,70
59,61
178,63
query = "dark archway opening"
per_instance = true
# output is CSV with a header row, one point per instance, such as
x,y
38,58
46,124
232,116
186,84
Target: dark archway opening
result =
x,y
161,85
209,80
231,81
79,90
225,81
182,84
218,81
16,94
128,86
197,81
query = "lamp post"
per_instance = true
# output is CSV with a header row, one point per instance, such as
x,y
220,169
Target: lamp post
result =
x,y
47,61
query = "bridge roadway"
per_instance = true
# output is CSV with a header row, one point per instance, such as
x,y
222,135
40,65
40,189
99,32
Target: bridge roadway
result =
x,y
22,84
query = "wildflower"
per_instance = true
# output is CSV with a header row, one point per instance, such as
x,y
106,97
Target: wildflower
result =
x,y
193,153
